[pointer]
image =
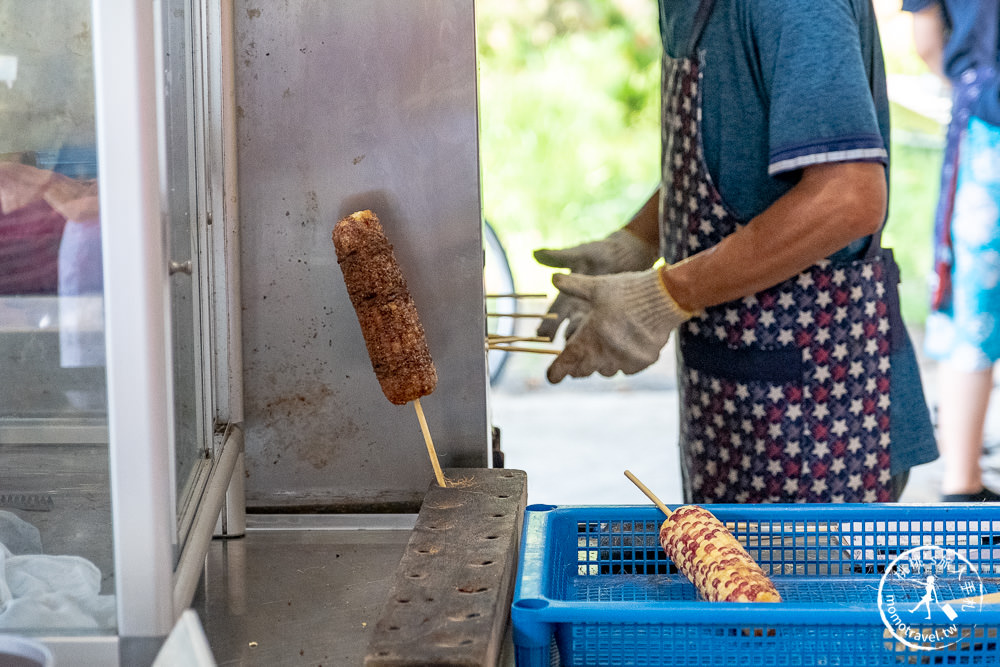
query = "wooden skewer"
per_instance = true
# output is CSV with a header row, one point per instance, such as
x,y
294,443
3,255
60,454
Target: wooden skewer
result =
x,y
544,316
515,348
989,598
497,338
649,494
517,296
430,443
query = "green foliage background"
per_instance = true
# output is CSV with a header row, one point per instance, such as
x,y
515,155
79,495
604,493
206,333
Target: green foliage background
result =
x,y
570,143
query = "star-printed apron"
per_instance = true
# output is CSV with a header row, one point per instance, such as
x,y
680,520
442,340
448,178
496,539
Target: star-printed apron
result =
x,y
785,393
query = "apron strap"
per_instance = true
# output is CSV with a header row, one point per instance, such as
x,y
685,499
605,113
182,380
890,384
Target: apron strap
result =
x,y
700,21
875,243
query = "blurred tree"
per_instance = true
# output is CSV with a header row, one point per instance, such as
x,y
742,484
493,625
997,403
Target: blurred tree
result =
x,y
569,117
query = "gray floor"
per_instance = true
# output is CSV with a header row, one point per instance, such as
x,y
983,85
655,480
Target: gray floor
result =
x,y
575,439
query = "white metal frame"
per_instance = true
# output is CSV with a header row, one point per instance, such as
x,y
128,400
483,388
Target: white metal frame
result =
x,y
151,593
136,315
225,239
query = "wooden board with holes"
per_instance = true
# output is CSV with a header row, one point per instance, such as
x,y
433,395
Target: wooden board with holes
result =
x,y
449,602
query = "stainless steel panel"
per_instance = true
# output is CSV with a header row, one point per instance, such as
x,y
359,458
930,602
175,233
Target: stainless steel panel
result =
x,y
343,106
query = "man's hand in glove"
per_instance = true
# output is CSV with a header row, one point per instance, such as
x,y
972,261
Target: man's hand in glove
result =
x,y
628,318
619,252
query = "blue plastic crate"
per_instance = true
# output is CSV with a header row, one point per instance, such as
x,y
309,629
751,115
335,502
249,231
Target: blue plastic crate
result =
x,y
595,588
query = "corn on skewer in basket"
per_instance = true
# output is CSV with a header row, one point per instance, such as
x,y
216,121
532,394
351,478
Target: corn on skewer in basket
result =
x,y
390,324
709,555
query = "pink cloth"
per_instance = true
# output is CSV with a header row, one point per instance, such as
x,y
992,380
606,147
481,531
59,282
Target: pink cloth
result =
x,y
29,249
34,206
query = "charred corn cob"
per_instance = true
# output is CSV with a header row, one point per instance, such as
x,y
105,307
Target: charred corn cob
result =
x,y
394,336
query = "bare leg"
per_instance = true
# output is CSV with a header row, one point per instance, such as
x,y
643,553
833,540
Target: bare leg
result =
x,y
963,398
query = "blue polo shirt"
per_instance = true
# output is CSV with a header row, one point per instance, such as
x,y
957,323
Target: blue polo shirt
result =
x,y
786,84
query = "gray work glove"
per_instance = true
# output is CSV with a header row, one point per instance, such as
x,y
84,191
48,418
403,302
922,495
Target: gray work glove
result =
x,y
619,252
628,319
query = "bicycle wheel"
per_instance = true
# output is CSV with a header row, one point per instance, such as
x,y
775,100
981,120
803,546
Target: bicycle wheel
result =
x,y
497,280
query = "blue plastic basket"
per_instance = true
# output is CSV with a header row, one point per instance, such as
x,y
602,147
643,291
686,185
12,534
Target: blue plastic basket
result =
x,y
595,588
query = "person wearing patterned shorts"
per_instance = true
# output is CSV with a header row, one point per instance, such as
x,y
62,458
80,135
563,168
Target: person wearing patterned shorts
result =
x,y
958,40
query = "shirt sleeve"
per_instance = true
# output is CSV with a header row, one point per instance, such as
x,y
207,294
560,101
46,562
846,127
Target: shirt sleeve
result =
x,y
918,5
813,69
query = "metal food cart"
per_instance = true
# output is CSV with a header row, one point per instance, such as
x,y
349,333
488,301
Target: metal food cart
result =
x,y
210,379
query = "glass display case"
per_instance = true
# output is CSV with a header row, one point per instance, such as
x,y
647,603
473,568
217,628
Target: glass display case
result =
x,y
119,408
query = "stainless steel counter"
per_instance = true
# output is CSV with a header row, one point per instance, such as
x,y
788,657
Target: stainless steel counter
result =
x,y
302,590
299,590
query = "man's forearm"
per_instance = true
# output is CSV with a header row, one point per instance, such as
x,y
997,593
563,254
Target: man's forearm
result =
x,y
831,206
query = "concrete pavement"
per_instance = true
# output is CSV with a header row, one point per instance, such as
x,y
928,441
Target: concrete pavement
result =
x,y
575,439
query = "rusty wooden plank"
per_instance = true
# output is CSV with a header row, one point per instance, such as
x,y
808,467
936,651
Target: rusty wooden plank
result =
x,y
449,602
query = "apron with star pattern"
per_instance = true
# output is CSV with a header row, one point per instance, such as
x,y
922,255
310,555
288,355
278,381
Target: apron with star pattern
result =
x,y
785,393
